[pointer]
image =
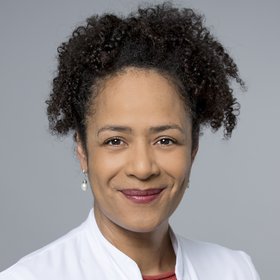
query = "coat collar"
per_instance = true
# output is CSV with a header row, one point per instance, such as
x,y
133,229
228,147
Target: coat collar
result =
x,y
112,258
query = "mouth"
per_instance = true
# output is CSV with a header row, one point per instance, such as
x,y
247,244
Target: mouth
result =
x,y
142,196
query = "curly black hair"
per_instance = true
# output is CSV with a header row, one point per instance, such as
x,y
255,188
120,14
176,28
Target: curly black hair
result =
x,y
164,38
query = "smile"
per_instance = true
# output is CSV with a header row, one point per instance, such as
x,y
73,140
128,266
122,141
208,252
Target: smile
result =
x,y
142,196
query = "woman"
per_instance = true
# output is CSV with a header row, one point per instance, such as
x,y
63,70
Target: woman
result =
x,y
135,92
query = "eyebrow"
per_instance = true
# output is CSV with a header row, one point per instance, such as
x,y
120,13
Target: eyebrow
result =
x,y
161,128
126,129
115,128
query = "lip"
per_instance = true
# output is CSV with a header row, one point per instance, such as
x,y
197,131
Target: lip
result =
x,y
142,196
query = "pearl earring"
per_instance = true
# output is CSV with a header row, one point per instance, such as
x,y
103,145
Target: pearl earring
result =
x,y
188,185
84,184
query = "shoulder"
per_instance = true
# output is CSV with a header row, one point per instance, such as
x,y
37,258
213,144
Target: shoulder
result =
x,y
48,259
7,275
215,261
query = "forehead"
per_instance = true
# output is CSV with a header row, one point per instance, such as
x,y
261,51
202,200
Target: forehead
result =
x,y
138,95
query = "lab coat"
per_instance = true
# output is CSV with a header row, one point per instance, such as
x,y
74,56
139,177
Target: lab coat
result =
x,y
84,254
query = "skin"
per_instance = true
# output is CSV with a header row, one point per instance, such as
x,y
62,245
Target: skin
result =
x,y
139,137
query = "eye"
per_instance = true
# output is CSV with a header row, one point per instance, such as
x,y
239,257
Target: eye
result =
x,y
166,141
114,142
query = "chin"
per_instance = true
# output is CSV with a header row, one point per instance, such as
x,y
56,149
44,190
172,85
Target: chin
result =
x,y
142,226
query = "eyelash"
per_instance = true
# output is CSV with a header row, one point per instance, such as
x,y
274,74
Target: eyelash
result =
x,y
109,142
167,139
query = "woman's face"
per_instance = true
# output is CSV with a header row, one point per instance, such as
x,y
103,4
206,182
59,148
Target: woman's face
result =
x,y
139,150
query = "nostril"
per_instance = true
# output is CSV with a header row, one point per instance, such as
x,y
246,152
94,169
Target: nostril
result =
x,y
142,170
142,163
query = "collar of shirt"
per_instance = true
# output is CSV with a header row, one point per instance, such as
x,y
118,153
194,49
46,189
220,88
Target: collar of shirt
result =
x,y
111,260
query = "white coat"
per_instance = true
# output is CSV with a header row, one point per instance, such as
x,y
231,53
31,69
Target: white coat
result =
x,y
84,254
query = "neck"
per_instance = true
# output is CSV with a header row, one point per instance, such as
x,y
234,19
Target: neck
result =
x,y
152,251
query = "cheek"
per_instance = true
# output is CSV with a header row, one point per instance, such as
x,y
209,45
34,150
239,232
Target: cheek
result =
x,y
177,166
103,166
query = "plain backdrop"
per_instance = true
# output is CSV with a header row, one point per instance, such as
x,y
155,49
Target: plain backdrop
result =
x,y
234,193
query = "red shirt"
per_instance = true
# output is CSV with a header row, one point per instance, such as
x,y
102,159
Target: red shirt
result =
x,y
163,276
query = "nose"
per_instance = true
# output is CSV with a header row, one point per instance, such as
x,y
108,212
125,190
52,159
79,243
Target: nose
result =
x,y
142,163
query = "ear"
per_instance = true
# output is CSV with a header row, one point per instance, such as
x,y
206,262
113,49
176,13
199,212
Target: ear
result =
x,y
81,154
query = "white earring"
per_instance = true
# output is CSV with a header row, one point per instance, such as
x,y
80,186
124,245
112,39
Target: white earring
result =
x,y
84,184
188,185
